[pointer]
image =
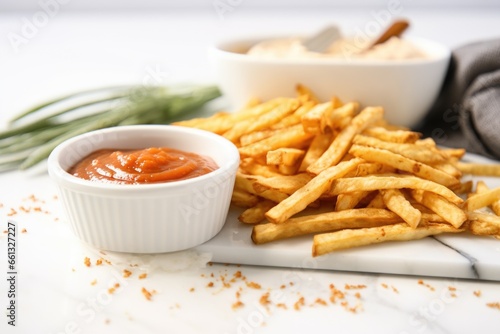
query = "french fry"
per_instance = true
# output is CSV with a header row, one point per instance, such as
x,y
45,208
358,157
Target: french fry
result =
x,y
370,183
448,211
348,238
481,187
398,136
305,94
478,169
318,146
342,142
349,200
243,198
324,222
255,214
252,167
481,223
397,203
300,199
481,200
404,164
287,184
284,156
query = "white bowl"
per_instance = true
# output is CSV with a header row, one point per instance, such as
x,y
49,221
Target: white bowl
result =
x,y
146,218
405,88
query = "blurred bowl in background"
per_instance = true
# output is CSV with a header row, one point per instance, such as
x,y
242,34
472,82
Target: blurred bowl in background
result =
x,y
406,88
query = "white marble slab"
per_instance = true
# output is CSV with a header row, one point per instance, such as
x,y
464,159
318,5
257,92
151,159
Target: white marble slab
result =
x,y
453,256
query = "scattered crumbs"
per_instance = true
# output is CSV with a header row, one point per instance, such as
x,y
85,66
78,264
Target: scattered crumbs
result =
x,y
107,261
55,197
477,293
111,290
24,230
210,264
126,273
351,287
12,212
299,303
210,285
494,305
320,301
5,232
94,282
86,261
394,289
335,294
146,293
253,285
1,205
107,321
452,290
98,262
385,286
357,295
264,300
73,269
283,286
191,290
143,276
427,285
282,305
237,304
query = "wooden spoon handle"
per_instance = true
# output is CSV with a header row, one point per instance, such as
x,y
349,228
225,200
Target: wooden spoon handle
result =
x,y
395,29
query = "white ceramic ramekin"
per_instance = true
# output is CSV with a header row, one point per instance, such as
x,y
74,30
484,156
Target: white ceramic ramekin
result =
x,y
146,218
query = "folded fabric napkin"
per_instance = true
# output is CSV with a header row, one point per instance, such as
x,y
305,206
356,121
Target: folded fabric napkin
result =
x,y
467,112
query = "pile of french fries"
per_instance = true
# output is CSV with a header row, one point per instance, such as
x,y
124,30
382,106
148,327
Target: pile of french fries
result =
x,y
343,174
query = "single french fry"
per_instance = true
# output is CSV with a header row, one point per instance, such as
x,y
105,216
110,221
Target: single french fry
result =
x,y
318,146
481,200
342,142
243,198
252,167
349,200
479,169
481,187
288,137
348,238
287,184
284,156
300,199
402,163
397,203
324,222
377,202
305,94
448,211
370,183
463,187
255,214
396,136
371,168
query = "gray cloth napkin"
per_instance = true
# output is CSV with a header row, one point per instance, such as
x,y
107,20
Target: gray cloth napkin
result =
x,y
467,112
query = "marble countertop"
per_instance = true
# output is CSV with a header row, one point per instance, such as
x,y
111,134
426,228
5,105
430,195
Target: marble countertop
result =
x,y
64,286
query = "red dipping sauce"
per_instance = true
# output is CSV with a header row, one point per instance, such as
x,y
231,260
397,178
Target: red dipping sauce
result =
x,y
150,165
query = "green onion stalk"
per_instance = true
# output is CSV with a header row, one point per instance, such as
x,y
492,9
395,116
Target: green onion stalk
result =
x,y
31,136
